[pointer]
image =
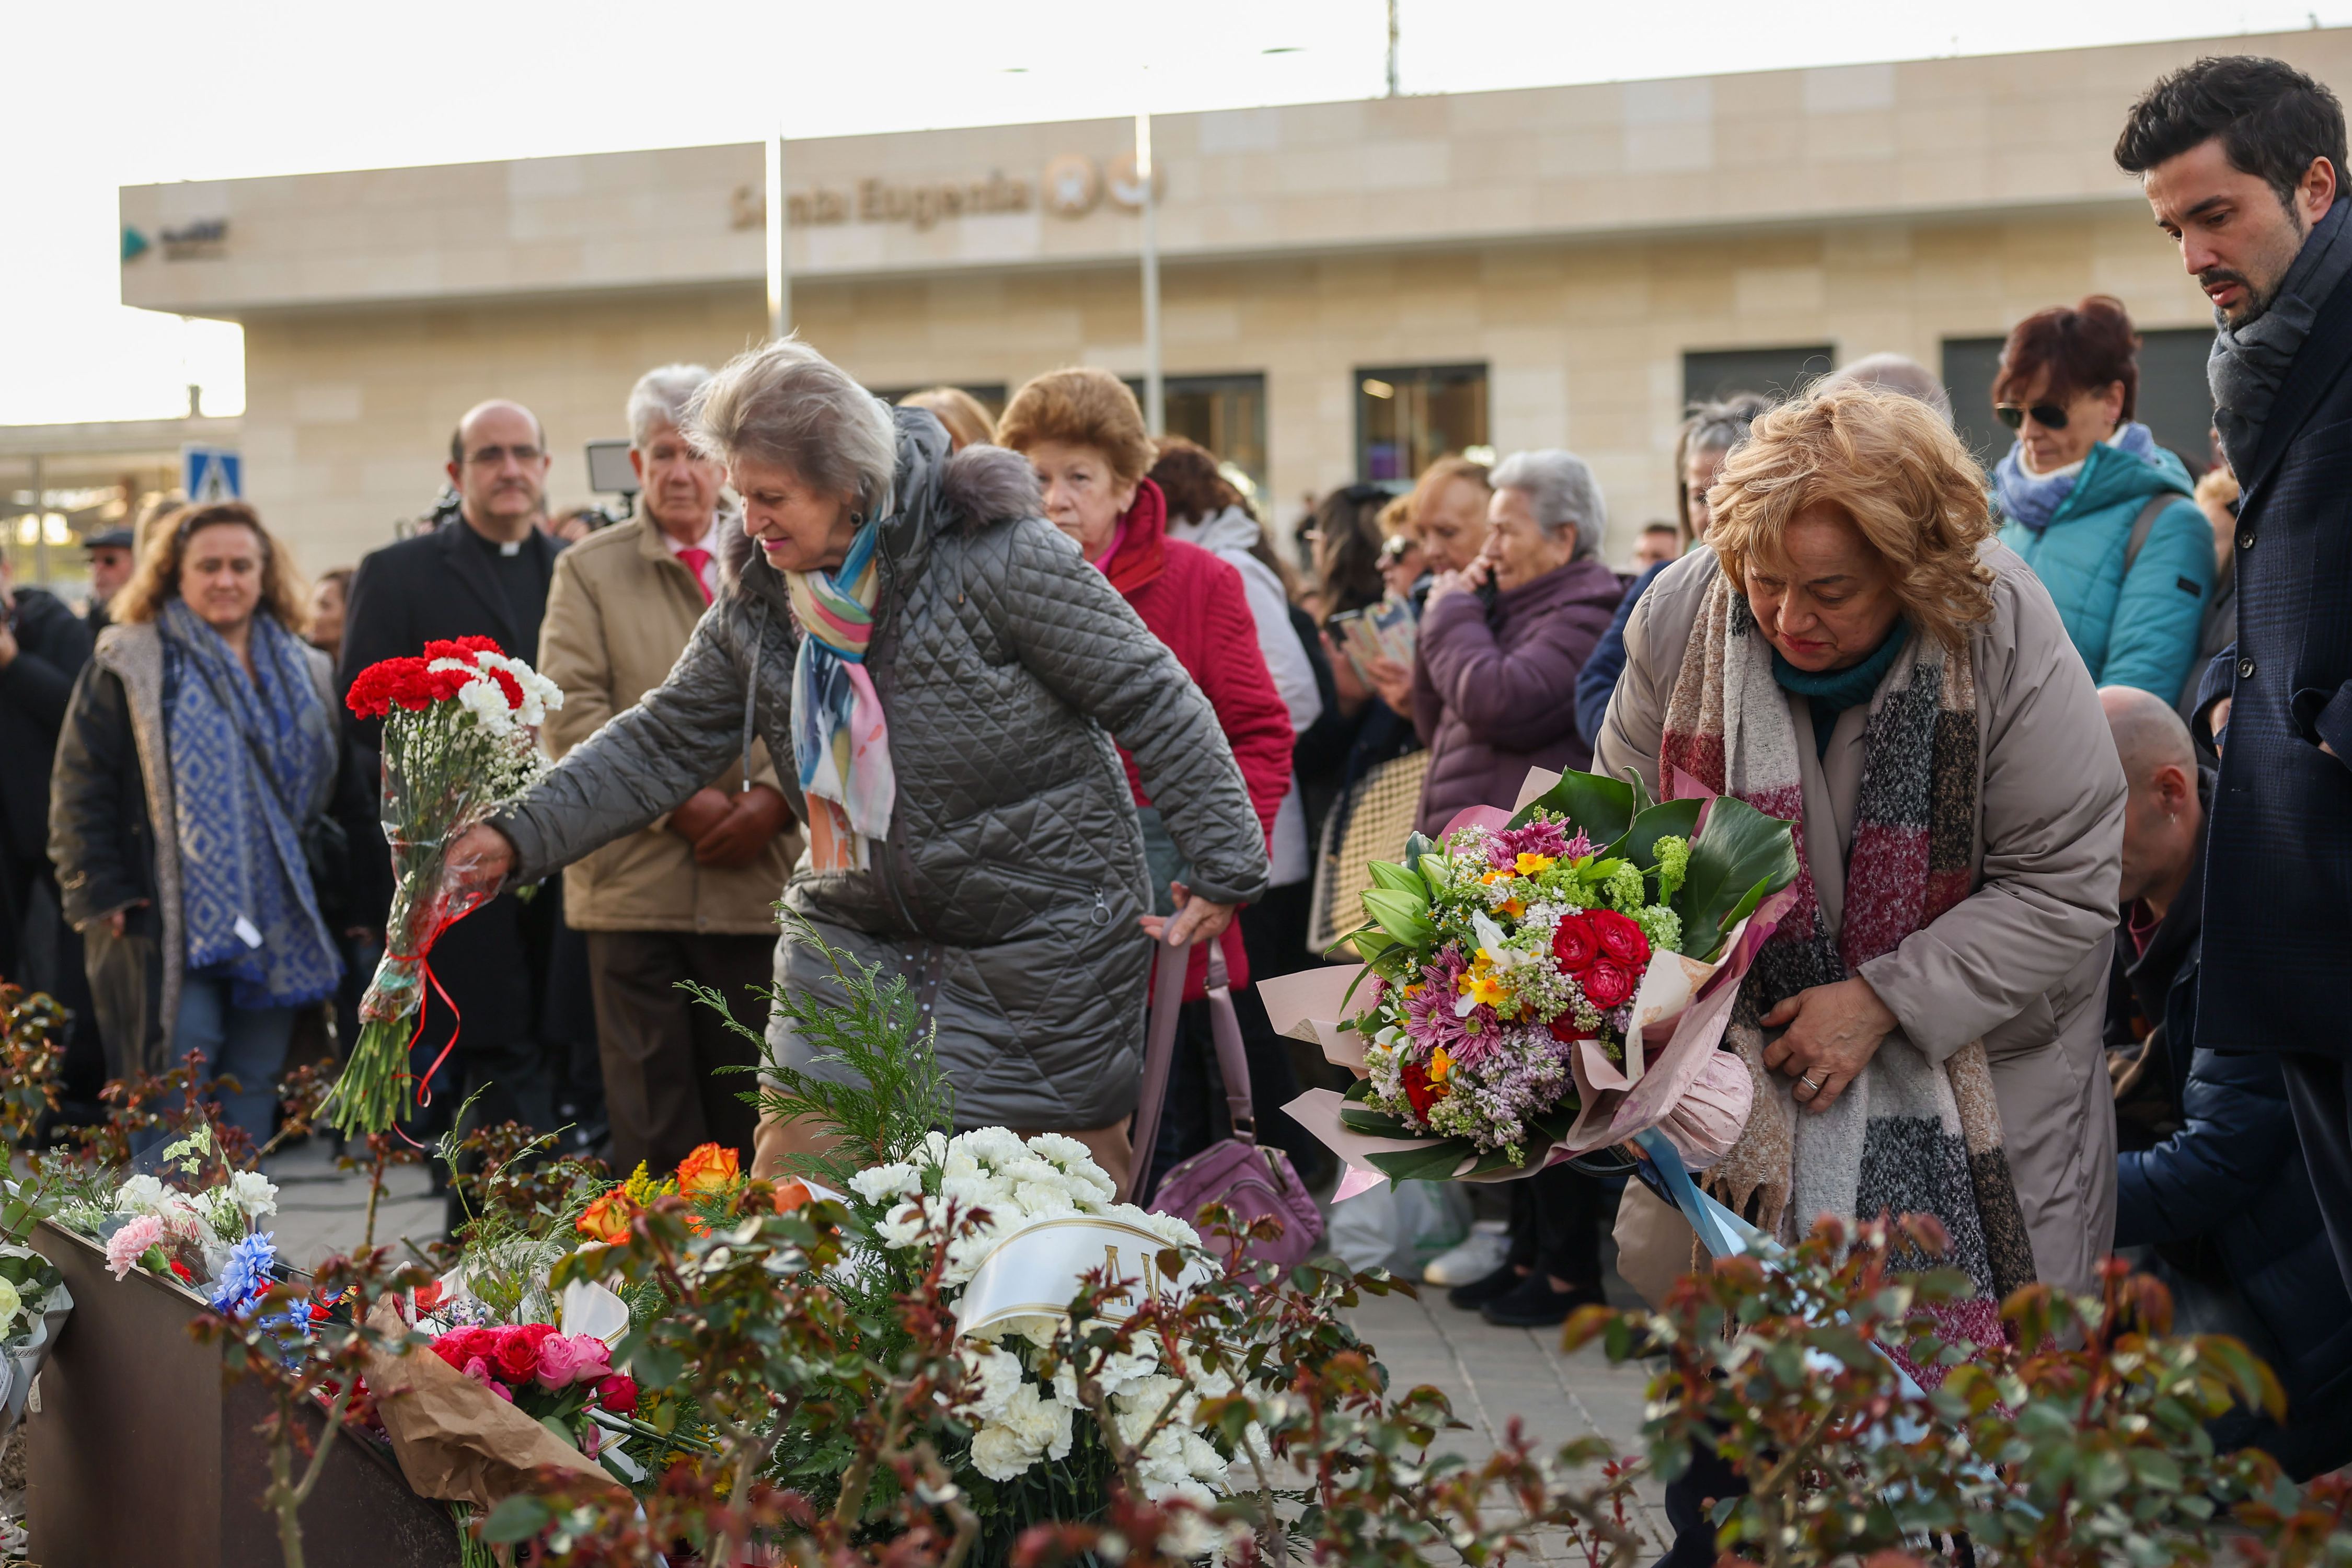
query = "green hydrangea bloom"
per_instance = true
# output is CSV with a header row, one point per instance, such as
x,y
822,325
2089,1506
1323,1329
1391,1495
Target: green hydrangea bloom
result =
x,y
1625,888
1663,927
1674,864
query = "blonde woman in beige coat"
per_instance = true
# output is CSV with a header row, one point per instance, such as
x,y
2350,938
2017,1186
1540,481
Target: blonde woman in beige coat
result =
x,y
1923,1029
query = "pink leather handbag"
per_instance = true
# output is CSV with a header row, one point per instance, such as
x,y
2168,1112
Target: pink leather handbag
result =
x,y
1248,1178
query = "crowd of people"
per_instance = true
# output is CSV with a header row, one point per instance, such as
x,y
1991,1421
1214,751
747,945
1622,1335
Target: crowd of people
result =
x,y
987,700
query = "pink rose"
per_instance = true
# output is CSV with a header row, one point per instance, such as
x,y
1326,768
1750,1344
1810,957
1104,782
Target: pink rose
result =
x,y
479,1370
567,1358
1607,983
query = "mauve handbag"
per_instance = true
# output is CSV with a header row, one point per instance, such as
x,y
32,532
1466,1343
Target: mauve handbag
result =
x,y
1251,1180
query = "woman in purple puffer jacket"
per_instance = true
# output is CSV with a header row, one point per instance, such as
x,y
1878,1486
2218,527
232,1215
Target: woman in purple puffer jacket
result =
x,y
1493,688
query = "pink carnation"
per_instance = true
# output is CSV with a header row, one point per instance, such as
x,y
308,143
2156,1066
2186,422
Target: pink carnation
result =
x,y
127,1245
567,1358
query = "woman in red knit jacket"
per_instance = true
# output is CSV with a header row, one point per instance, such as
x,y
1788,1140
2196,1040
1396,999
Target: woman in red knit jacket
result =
x,y
1084,436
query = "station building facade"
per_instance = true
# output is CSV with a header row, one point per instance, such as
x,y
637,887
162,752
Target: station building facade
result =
x,y
1349,289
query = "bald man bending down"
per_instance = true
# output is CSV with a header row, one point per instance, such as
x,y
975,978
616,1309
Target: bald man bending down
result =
x,y
486,576
2211,1178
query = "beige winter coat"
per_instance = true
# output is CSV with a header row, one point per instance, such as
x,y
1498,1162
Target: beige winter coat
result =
x,y
2023,961
619,611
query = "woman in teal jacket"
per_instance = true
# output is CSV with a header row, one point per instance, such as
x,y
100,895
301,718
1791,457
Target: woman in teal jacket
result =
x,y
2073,489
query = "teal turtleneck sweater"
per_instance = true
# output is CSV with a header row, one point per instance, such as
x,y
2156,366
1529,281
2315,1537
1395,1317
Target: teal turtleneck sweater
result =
x,y
1831,693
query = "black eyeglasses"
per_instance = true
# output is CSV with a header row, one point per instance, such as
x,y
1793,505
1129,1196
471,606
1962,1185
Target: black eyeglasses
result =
x,y
496,457
2048,415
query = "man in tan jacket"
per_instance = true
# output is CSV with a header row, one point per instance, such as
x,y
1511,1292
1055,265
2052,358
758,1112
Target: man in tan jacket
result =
x,y
691,897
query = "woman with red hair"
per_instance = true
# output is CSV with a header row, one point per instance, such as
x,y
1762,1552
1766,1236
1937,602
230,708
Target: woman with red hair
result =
x,y
1084,434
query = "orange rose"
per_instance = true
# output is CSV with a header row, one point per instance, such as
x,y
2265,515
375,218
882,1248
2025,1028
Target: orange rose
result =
x,y
709,1169
607,1218
790,1196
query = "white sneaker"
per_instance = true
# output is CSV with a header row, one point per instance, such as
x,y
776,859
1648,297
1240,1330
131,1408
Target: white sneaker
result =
x,y
1486,1248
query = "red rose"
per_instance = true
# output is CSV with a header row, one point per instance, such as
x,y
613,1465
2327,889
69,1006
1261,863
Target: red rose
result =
x,y
1620,939
618,1394
1565,1027
1607,983
1418,1092
515,1357
1573,942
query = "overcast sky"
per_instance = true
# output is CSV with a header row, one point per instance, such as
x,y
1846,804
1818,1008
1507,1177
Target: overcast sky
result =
x,y
136,90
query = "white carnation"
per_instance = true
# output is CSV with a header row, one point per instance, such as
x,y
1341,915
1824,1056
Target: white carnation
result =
x,y
995,1374
141,1195
998,1452
880,1181
252,1194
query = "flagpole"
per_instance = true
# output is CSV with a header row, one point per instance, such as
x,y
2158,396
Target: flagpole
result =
x,y
1154,392
780,276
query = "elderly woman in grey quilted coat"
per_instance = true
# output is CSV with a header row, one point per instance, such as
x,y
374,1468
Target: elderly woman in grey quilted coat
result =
x,y
951,677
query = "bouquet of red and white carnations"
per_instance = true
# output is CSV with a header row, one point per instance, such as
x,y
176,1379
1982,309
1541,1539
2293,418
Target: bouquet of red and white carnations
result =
x,y
1525,971
460,738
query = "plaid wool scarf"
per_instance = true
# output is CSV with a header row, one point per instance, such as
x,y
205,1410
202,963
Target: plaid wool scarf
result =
x,y
1910,1135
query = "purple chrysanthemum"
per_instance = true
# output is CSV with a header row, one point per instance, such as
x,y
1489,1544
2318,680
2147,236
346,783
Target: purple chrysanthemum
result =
x,y
1503,851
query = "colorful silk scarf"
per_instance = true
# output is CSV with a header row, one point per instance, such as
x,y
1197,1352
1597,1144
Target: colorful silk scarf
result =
x,y
838,733
1910,1134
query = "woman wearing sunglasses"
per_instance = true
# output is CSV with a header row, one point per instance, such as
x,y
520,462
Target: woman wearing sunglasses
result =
x,y
2084,481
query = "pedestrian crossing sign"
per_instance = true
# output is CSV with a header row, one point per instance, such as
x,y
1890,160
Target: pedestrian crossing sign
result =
x,y
210,474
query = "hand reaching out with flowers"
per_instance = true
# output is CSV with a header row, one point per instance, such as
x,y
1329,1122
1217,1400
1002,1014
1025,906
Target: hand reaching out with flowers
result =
x,y
480,860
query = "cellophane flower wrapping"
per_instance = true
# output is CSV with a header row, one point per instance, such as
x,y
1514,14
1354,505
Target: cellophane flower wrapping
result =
x,y
460,738
1529,941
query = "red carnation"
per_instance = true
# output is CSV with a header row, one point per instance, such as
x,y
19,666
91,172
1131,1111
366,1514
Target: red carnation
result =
x,y
618,1394
461,648
507,686
1620,939
514,1358
1607,983
1574,943
1566,1028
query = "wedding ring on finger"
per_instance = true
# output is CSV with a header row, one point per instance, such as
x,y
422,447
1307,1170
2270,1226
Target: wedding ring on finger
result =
x,y
1808,1081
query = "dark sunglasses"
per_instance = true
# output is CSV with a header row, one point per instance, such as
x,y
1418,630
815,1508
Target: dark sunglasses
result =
x,y
2048,415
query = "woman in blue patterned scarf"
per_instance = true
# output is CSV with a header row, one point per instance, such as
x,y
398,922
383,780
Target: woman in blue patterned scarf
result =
x,y
199,759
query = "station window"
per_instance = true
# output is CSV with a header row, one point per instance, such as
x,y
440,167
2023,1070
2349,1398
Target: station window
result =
x,y
1407,416
1226,414
1711,376
2176,400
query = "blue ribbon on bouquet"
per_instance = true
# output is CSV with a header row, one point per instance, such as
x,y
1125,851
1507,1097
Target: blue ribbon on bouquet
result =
x,y
1724,1234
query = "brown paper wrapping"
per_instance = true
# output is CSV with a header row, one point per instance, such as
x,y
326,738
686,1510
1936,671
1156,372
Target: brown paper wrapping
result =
x,y
454,1439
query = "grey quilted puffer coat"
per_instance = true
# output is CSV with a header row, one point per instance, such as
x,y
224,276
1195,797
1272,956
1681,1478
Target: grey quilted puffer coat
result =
x,y
1009,889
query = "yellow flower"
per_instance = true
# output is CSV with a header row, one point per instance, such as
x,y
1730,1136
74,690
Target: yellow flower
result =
x,y
1480,983
1514,908
1531,864
1491,877
1440,1065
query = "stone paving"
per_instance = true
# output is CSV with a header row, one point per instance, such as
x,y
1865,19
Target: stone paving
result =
x,y
1488,1373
